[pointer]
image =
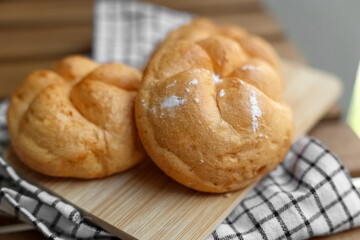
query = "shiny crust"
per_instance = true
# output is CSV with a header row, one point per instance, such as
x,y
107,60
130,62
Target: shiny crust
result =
x,y
78,120
209,110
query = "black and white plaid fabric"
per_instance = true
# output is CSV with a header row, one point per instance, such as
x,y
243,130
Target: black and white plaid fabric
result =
x,y
127,31
309,194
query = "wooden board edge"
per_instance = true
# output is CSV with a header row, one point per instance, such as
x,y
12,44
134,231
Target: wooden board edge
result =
x,y
226,213
334,84
84,214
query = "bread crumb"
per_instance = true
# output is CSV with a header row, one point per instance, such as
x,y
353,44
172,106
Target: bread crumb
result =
x,y
170,85
194,82
227,195
61,116
172,101
255,110
216,78
249,67
222,93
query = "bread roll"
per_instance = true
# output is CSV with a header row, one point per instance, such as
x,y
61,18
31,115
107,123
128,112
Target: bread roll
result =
x,y
210,111
78,120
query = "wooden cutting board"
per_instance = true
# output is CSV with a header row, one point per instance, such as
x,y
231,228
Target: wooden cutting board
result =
x,y
143,203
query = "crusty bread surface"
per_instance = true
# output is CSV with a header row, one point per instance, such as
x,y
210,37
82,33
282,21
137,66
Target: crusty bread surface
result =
x,y
77,120
210,111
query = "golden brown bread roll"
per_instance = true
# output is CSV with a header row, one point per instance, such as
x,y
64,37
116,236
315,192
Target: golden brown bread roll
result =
x,y
209,110
78,120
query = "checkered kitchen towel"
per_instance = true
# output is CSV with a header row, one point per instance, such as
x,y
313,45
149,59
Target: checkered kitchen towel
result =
x,y
309,194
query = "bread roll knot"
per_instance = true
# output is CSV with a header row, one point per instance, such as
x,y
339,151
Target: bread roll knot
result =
x,y
78,120
210,111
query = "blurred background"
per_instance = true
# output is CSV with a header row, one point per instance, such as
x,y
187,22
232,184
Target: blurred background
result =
x,y
327,34
324,34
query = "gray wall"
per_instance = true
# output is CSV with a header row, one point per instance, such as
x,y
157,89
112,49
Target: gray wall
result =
x,y
327,32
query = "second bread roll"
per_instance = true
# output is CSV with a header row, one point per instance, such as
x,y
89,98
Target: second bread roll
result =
x,y
78,120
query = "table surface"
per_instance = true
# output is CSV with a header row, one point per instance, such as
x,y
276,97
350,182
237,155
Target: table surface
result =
x,y
33,30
